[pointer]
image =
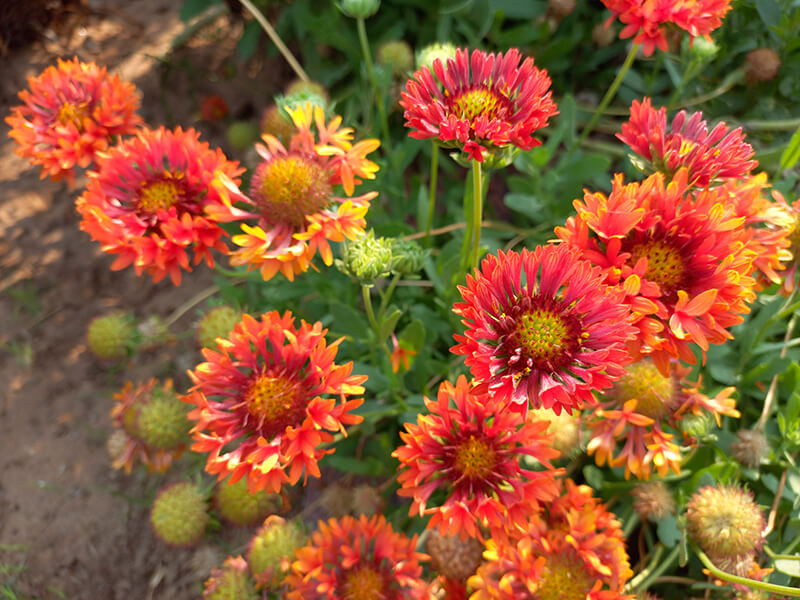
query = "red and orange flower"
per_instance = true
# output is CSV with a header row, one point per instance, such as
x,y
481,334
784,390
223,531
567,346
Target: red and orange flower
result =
x,y
648,20
480,103
351,559
147,198
709,157
292,196
470,453
576,551
70,113
680,258
268,399
542,327
643,411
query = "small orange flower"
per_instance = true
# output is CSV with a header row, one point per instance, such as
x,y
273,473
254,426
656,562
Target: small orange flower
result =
x,y
147,201
362,559
69,114
574,551
292,196
471,453
401,355
268,399
644,410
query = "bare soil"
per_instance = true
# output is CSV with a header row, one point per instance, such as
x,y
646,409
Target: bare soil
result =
x,y
70,526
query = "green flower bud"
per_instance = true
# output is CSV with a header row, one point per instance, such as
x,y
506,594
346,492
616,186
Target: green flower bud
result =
x,y
366,259
407,256
359,9
430,53
288,102
397,55
703,49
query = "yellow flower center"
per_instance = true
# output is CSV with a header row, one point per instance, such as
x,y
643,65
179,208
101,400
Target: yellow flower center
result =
x,y
159,195
665,264
287,188
73,113
794,239
655,394
475,102
564,578
363,583
275,401
543,335
475,458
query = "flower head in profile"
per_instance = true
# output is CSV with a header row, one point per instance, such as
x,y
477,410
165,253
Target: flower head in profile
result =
x,y
680,258
643,412
708,156
293,197
69,114
358,559
649,20
268,399
467,451
153,423
542,328
574,551
146,202
480,103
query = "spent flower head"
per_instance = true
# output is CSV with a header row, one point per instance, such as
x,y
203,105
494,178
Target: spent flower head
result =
x,y
179,514
725,521
232,581
271,551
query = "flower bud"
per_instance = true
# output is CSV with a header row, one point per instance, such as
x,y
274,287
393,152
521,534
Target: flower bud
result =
x,y
359,9
367,258
430,53
407,256
703,49
397,56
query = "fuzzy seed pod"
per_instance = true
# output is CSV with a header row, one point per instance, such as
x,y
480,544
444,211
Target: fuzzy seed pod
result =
x,y
179,514
725,521
237,505
750,447
366,500
652,500
338,500
232,581
560,9
564,428
271,551
276,122
217,323
397,55
761,64
111,336
162,423
453,557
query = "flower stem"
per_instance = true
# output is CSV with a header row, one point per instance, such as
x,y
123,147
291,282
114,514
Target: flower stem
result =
x,y
368,309
477,212
432,194
362,37
610,93
273,35
387,295
781,590
655,567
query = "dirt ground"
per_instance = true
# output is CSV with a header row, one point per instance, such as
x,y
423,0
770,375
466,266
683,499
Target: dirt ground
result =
x,y
70,526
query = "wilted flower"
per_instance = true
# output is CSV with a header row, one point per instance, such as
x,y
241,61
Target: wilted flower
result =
x,y
542,328
348,559
268,399
481,104
470,453
708,156
69,114
292,196
761,64
652,500
231,581
147,202
644,411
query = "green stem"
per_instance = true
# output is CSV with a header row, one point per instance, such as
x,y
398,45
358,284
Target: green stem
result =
x,y
362,37
630,524
655,567
368,309
612,91
477,212
780,124
432,194
387,295
781,590
273,35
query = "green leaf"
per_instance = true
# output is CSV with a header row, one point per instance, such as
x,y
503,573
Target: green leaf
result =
x,y
593,476
791,154
413,334
526,204
389,323
248,43
668,531
349,464
769,11
347,320
790,566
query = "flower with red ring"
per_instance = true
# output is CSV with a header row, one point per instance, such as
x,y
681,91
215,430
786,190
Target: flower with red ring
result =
x,y
681,259
643,412
268,399
708,156
358,559
574,551
146,202
648,20
292,196
479,103
542,328
213,108
69,114
471,452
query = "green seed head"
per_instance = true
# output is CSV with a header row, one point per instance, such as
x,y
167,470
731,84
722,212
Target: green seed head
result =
x,y
272,550
179,514
111,336
237,505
